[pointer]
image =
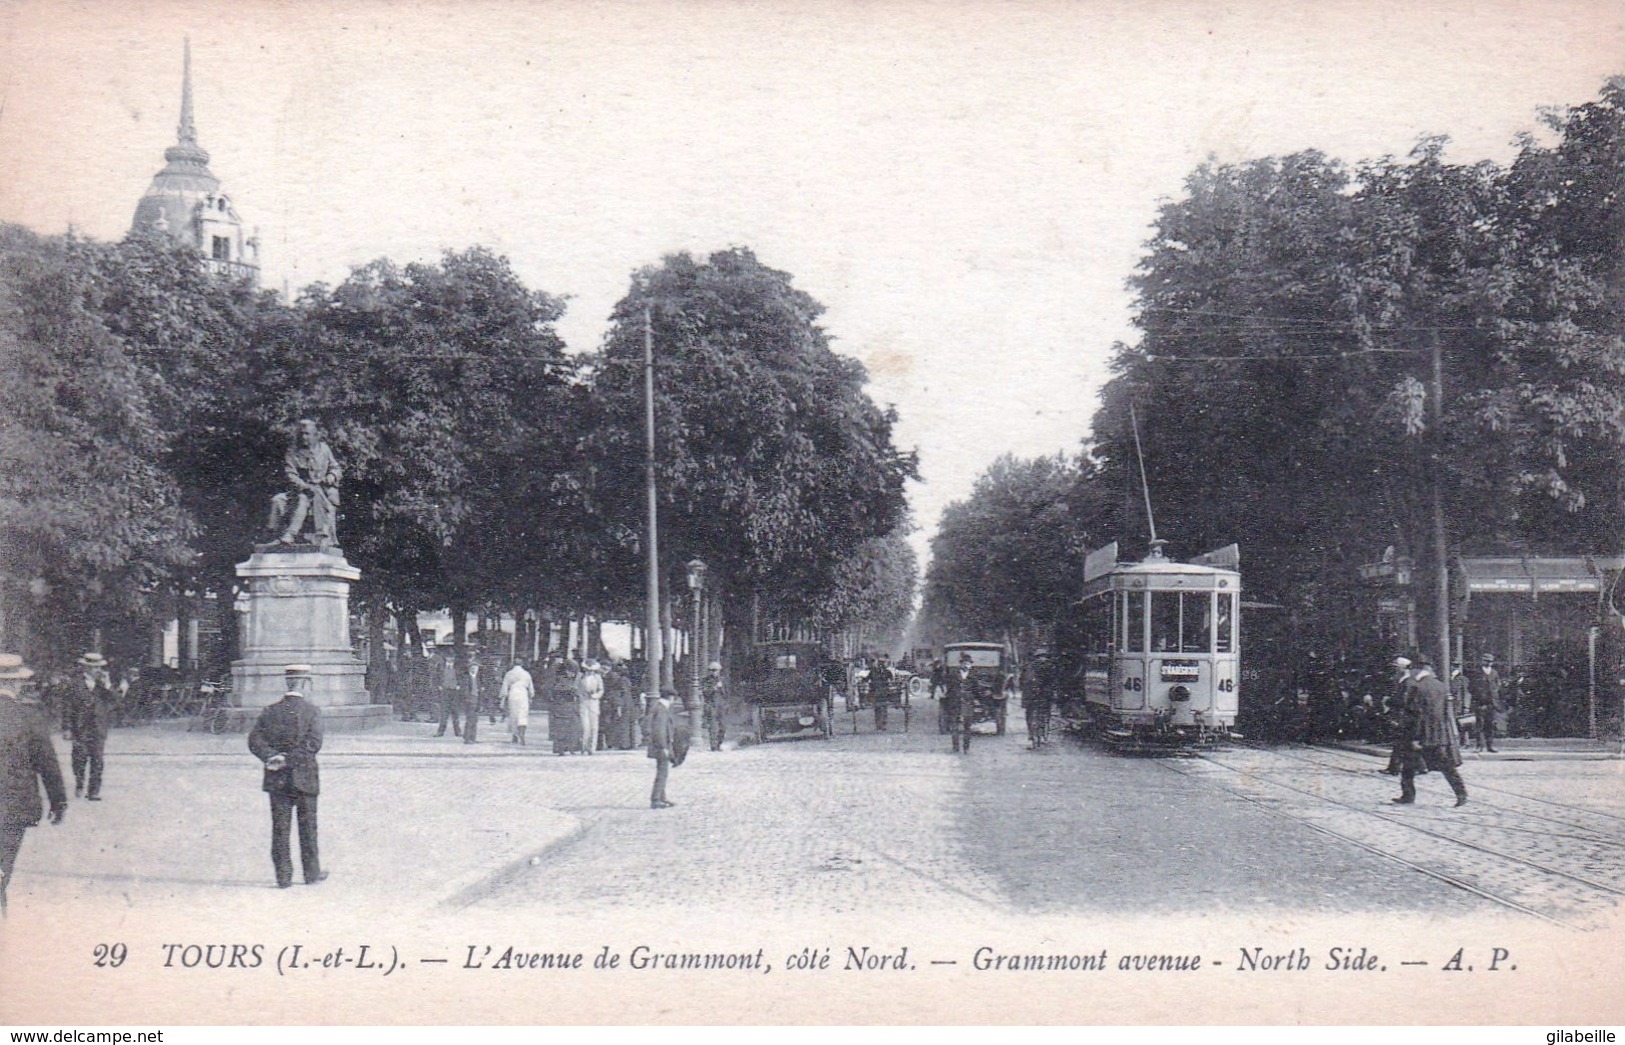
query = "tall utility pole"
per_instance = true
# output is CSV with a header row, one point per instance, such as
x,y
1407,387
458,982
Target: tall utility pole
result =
x,y
652,642
1441,551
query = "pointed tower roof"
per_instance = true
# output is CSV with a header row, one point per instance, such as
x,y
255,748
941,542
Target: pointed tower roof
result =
x,y
186,178
186,148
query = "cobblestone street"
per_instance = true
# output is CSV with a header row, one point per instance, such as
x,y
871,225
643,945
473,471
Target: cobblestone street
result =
x,y
864,840
859,824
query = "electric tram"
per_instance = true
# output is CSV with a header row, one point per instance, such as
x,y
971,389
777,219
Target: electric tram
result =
x,y
1156,649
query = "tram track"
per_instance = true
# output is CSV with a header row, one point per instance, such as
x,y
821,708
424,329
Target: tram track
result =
x,y
1602,819
1440,849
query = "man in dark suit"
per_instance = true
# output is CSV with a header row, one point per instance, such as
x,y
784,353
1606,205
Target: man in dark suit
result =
x,y
286,737
90,714
1428,734
1484,689
662,733
27,760
959,702
880,691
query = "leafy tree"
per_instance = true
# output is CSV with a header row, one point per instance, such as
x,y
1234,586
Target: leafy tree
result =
x,y
1009,560
443,389
774,465
90,521
874,593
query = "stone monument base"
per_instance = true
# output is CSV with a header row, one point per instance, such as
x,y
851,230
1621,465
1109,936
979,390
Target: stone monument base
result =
x,y
298,601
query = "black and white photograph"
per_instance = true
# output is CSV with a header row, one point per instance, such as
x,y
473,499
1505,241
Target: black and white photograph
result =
x,y
869,512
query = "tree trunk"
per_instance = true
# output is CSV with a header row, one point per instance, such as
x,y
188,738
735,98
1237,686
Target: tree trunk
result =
x,y
459,639
377,656
1441,545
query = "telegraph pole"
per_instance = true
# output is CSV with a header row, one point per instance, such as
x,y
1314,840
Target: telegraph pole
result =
x,y
654,638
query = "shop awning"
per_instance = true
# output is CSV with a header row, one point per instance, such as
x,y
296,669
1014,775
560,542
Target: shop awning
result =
x,y
1484,575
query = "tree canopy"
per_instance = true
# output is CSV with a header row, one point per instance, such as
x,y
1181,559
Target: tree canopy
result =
x,y
774,466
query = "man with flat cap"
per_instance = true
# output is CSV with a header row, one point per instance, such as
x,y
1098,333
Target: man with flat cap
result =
x,y
286,737
27,760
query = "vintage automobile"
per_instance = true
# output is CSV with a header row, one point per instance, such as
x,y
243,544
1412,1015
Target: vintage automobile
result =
x,y
789,688
993,674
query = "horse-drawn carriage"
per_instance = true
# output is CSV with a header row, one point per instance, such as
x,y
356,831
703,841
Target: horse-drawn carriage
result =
x,y
789,687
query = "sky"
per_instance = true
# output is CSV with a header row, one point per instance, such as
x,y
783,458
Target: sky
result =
x,y
965,186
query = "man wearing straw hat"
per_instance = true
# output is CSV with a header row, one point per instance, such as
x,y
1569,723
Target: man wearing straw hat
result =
x,y
26,761
90,714
286,737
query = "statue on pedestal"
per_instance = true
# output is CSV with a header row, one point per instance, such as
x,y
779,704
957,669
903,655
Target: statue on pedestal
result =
x,y
313,476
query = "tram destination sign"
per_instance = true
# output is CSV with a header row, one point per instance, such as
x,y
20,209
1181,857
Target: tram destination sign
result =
x,y
1180,671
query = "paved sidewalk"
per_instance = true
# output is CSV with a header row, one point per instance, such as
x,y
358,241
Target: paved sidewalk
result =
x,y
406,818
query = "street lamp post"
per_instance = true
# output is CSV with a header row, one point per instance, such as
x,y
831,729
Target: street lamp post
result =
x,y
696,646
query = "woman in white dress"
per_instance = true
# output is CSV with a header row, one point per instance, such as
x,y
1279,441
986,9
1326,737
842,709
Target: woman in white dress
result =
x,y
517,691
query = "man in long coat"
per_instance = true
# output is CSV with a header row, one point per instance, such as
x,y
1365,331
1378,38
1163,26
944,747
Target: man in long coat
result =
x,y
286,737
620,719
451,695
1484,689
1038,695
662,733
959,702
27,760
880,691
1428,734
91,707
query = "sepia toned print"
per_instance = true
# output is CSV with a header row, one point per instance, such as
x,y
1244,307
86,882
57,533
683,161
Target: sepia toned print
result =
x,y
849,513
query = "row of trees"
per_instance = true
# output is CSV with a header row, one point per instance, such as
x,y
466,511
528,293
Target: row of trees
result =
x,y
147,406
1336,359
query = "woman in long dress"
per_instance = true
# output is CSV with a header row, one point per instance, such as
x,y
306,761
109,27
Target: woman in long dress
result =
x,y
517,691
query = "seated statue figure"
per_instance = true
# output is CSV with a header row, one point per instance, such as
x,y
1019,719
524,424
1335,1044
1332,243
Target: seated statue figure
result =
x,y
313,475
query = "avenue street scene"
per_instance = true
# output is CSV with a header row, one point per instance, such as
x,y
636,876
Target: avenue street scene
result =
x,y
724,489
864,822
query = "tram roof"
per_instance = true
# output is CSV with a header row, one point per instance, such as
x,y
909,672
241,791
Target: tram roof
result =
x,y
1173,575
1169,566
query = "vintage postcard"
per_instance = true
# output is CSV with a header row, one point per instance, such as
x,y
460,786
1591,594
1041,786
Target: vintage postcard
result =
x,y
1045,230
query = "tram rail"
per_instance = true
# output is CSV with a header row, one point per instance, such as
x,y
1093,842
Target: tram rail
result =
x,y
1517,881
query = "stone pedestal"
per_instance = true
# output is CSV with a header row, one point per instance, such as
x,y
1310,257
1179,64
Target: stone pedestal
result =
x,y
298,600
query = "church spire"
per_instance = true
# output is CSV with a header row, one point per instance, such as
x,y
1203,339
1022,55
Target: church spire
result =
x,y
186,133
186,150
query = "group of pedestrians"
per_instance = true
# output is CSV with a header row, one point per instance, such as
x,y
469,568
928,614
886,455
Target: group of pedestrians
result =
x,y
589,704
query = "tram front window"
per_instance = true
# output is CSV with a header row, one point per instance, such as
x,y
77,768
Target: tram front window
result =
x,y
1181,622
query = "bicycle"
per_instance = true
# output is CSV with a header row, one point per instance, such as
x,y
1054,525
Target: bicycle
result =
x,y
214,716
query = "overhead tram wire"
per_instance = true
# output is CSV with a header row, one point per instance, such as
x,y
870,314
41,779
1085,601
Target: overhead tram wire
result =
x,y
1151,357
1329,324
